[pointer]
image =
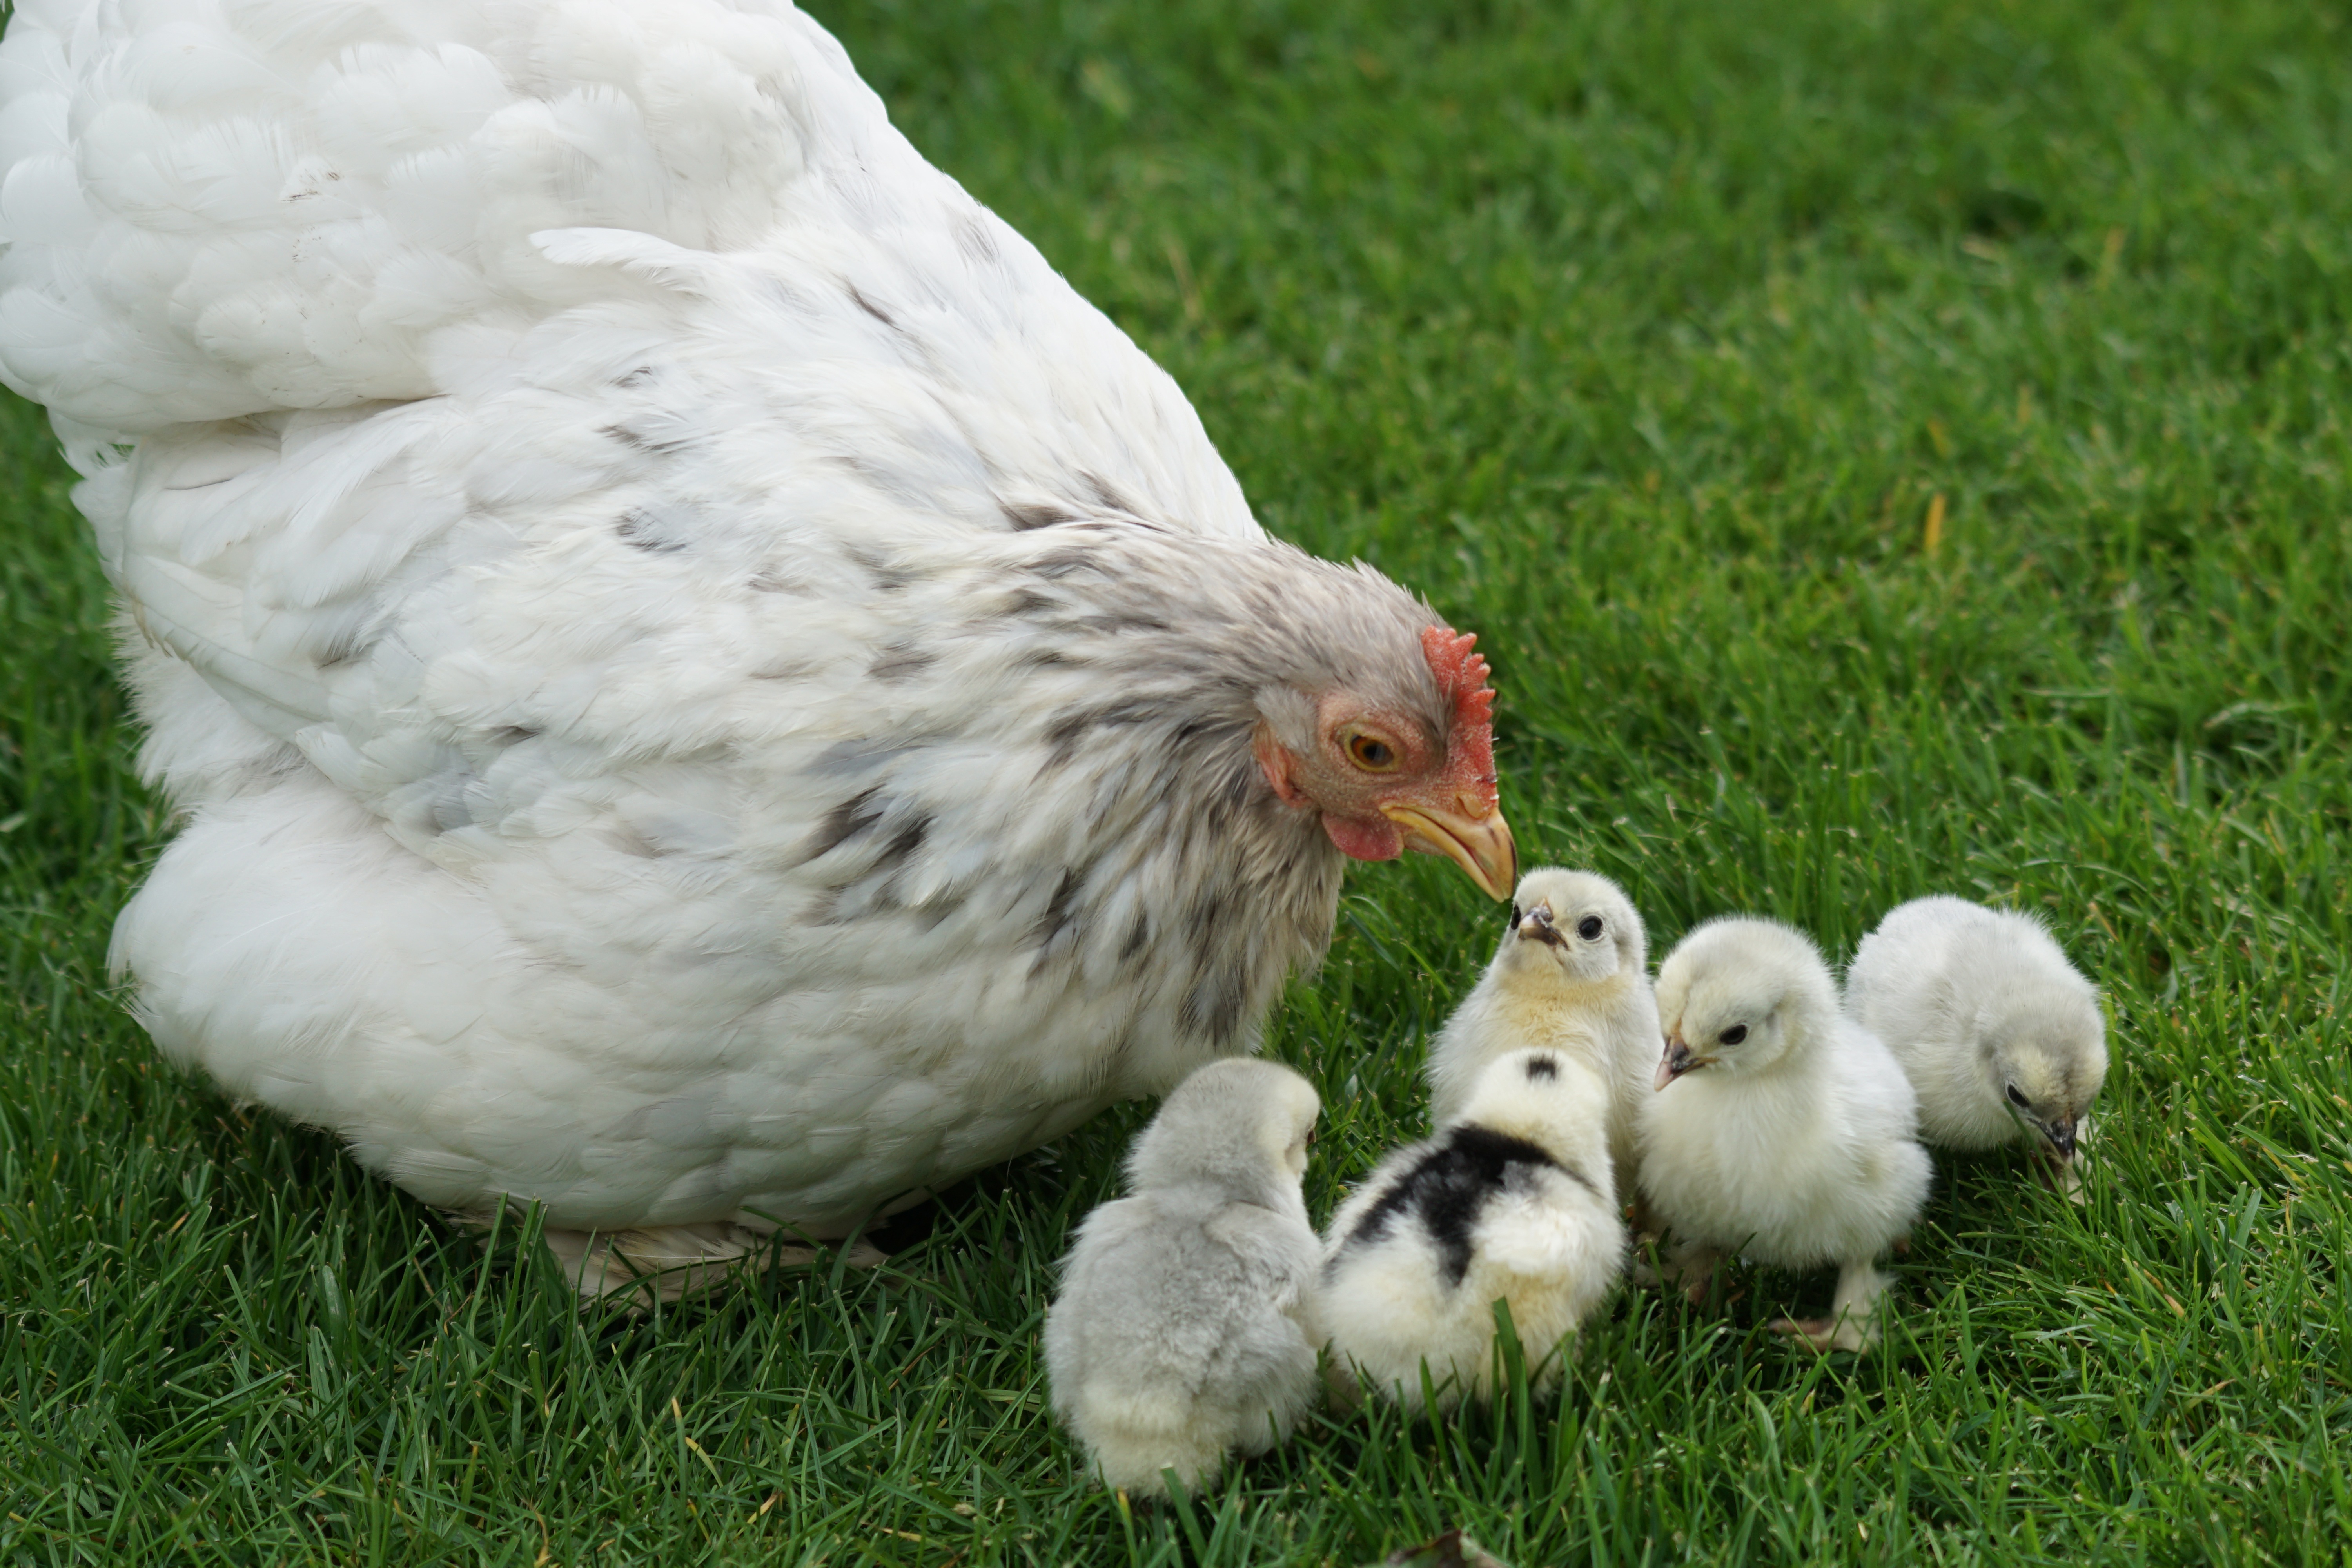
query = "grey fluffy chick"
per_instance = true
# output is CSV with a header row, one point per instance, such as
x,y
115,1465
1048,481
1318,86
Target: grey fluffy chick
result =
x,y
2001,1037
1186,1327
1512,1202
1571,974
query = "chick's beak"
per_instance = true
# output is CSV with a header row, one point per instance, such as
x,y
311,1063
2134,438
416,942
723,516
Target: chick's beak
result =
x,y
2061,1134
1480,844
1677,1061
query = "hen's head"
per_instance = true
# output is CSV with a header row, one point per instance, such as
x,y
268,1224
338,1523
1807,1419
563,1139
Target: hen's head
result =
x,y
1397,758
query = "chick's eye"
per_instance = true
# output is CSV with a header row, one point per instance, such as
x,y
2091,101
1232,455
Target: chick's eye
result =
x,y
1589,928
1516,917
1370,752
1734,1034
2016,1099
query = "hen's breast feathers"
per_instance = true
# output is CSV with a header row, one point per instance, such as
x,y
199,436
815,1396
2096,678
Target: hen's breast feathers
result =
x,y
598,448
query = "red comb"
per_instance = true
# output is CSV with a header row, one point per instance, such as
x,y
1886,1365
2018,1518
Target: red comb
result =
x,y
1470,750
1460,673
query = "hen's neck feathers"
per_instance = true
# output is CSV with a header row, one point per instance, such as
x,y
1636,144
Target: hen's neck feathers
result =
x,y
1116,672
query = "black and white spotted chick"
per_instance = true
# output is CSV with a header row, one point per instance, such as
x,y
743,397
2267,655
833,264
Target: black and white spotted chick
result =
x,y
1570,975
1513,1201
1185,1328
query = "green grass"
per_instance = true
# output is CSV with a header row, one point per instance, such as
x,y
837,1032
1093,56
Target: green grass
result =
x,y
1644,339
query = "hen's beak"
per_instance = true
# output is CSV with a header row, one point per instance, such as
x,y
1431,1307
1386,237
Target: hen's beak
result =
x,y
1479,845
1677,1061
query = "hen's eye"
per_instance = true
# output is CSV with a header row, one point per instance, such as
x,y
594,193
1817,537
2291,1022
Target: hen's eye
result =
x,y
2017,1100
1589,928
1370,752
1734,1034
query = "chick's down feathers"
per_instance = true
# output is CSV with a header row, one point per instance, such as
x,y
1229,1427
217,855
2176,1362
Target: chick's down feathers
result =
x,y
1779,1129
705,685
2003,1038
1185,1329
1512,1202
1570,975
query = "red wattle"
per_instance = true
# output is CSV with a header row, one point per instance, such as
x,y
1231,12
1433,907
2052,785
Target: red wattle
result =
x,y
1377,841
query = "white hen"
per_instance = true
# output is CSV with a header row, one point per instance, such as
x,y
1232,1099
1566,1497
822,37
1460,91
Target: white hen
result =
x,y
1796,1145
2001,1036
1570,975
707,688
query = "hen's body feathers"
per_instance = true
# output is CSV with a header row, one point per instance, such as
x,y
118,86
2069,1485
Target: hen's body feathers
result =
x,y
706,684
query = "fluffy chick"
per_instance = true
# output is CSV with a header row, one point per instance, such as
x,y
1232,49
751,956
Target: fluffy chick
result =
x,y
1780,1129
2003,1038
1571,976
1186,1329
1511,1201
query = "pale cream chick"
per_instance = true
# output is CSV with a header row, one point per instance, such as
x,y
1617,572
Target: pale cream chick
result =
x,y
1780,1129
1511,1203
2003,1038
1186,1329
1570,975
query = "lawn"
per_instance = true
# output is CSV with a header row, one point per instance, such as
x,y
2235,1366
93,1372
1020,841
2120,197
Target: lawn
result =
x,y
1886,448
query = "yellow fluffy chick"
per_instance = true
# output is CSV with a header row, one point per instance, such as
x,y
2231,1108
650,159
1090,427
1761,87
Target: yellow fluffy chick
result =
x,y
1780,1129
1570,975
1512,1202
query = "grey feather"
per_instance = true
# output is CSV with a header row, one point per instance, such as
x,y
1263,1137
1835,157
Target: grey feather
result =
x,y
1185,1329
